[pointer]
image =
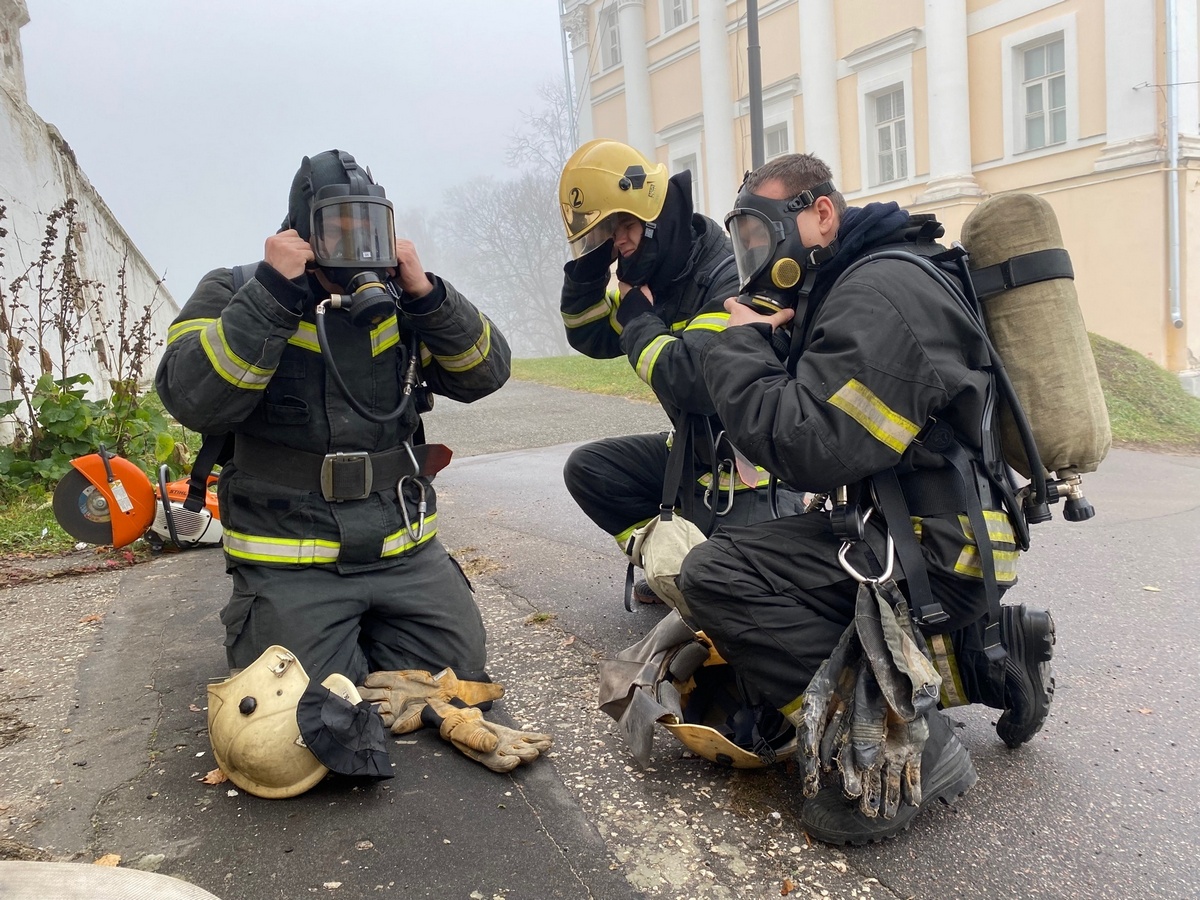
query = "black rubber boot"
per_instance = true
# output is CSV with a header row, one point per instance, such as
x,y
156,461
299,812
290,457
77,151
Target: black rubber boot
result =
x,y
643,593
946,774
1028,636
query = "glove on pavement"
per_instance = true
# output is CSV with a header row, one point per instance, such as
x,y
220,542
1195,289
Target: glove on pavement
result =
x,y
401,695
498,747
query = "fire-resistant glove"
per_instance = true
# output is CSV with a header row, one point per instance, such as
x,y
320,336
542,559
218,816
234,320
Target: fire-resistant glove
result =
x,y
593,265
902,764
908,680
402,694
821,720
498,747
861,761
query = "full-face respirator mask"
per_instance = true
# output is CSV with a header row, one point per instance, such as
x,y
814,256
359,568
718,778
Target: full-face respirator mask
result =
x,y
353,237
775,268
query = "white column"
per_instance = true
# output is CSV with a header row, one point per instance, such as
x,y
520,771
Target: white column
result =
x,y
1130,64
716,95
949,132
818,84
575,24
639,117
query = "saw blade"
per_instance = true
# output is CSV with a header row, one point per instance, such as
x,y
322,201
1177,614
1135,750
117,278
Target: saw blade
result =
x,y
82,509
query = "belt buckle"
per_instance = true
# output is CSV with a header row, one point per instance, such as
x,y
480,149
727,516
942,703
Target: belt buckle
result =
x,y
346,476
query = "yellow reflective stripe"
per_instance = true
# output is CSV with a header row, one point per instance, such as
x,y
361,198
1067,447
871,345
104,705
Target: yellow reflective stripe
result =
x,y
257,548
999,527
649,356
918,528
426,356
469,359
884,424
681,325
622,537
791,710
614,301
179,329
384,335
228,364
400,541
709,322
941,650
592,314
1005,561
764,477
306,337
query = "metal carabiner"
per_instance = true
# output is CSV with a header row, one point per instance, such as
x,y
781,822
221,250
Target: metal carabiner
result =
x,y
725,465
854,573
417,534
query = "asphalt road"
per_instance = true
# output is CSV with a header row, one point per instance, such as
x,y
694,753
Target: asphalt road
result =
x,y
1100,804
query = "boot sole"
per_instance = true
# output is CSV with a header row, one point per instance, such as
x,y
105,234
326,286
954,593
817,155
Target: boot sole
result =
x,y
1038,637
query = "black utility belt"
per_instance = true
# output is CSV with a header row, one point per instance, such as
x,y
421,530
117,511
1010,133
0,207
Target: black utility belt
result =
x,y
337,476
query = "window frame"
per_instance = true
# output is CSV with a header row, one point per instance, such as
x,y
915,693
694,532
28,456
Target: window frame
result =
x,y
900,157
666,10
883,77
1013,49
608,28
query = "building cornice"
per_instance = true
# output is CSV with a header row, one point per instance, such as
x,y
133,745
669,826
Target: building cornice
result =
x,y
899,44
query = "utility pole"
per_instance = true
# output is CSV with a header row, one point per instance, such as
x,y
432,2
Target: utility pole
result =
x,y
754,65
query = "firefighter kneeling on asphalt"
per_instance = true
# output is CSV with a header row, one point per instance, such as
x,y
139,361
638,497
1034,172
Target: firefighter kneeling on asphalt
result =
x,y
318,362
824,615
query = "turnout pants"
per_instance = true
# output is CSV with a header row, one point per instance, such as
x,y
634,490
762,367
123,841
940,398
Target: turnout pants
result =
x,y
417,614
774,600
618,483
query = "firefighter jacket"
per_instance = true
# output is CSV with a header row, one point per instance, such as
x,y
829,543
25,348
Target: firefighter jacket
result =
x,y
246,363
663,340
888,350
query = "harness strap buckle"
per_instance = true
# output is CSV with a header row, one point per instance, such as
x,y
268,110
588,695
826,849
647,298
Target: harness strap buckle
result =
x,y
346,476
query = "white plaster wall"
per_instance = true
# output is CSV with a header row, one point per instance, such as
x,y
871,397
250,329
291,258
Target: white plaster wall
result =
x,y
38,172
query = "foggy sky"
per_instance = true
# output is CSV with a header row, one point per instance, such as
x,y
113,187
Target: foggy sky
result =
x,y
191,116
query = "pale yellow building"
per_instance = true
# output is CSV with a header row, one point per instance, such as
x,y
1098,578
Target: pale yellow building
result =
x,y
936,104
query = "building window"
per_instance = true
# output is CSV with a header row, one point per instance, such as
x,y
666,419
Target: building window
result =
x,y
676,14
1044,89
775,140
891,138
690,162
610,38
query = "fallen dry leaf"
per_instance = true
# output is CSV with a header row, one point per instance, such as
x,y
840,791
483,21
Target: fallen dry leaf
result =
x,y
1146,711
331,885
108,859
93,618
569,641
215,776
787,887
194,708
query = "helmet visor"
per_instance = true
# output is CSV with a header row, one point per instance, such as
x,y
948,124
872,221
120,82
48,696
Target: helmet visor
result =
x,y
754,238
599,233
355,231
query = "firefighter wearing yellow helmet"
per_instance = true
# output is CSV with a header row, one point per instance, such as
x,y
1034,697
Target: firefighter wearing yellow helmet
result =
x,y
674,270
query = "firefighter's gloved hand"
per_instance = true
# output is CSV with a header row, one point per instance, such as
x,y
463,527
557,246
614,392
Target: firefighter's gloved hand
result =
x,y
401,695
902,764
593,265
822,713
498,747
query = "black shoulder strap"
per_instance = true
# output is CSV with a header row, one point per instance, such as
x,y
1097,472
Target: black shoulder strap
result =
x,y
215,450
242,274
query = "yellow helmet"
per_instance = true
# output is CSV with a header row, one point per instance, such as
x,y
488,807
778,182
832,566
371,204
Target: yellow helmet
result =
x,y
601,179
253,729
712,703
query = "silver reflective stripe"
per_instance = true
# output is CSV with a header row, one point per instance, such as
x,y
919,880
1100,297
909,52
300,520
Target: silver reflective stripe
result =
x,y
942,651
179,329
591,314
228,364
469,359
884,424
258,548
648,357
386,334
709,322
306,337
400,541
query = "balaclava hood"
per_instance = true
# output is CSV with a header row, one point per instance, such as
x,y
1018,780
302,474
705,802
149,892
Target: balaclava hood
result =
x,y
659,260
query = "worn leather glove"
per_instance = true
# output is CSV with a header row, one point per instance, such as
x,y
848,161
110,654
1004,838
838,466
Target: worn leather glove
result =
x,y
822,713
498,747
593,265
902,764
861,762
402,694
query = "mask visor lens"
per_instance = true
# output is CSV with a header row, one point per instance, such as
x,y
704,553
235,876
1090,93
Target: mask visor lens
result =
x,y
355,232
754,242
599,233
